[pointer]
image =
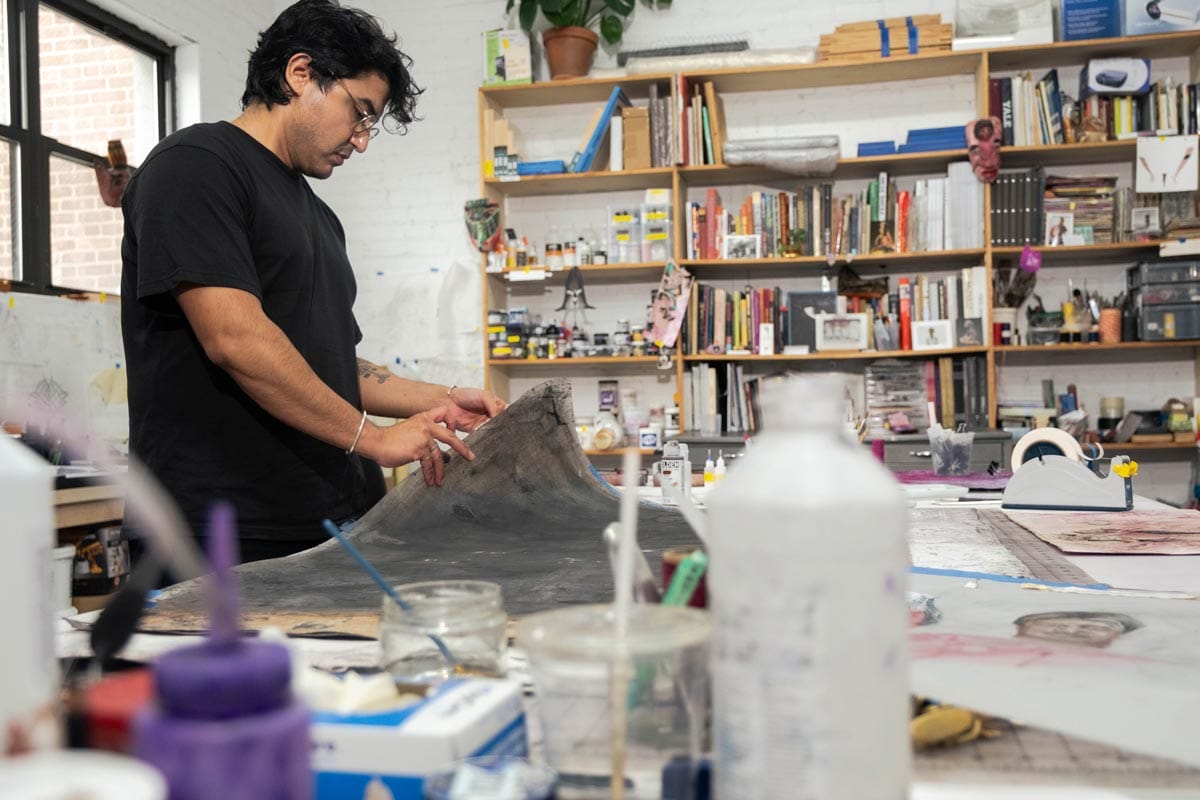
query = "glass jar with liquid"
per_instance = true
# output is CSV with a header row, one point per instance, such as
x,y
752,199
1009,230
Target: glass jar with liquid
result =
x,y
453,628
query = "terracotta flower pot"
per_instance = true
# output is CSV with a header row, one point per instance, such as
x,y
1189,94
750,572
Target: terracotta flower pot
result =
x,y
569,51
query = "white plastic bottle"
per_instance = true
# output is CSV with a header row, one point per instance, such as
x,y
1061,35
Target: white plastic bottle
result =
x,y
808,564
719,469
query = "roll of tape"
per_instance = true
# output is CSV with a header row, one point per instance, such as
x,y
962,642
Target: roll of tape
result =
x,y
1045,441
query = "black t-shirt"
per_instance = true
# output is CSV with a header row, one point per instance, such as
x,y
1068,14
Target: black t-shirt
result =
x,y
212,206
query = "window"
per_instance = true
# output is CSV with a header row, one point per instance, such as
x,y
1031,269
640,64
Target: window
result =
x,y
88,79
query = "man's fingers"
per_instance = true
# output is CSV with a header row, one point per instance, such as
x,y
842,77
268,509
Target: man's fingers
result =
x,y
494,405
439,468
427,468
457,444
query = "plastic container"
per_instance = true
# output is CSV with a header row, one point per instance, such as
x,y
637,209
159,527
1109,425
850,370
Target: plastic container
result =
x,y
467,616
1170,322
571,660
950,450
1157,294
1163,272
808,563
61,569
225,723
29,670
80,774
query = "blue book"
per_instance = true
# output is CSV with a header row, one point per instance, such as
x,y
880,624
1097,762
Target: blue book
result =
x,y
584,159
541,167
866,149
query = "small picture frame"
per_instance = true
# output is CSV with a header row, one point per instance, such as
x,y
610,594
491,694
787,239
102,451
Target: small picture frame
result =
x,y
1060,229
968,332
841,332
741,247
1145,223
933,334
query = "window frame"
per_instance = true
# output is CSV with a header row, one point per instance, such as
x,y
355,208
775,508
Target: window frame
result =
x,y
31,198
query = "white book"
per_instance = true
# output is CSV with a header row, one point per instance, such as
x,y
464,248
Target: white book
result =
x,y
616,146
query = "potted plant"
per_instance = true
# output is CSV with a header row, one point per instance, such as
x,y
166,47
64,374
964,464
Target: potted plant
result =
x,y
570,43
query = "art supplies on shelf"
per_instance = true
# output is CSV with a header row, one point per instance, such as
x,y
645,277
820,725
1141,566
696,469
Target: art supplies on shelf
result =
x,y
596,135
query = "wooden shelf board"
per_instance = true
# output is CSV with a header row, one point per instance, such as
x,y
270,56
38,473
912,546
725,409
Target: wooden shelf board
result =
x,y
578,90
844,355
847,168
1079,153
1085,252
580,182
597,273
562,363
914,259
1092,347
1124,447
1159,45
618,451
899,68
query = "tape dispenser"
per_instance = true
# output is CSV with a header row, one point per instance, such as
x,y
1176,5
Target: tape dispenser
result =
x,y
1051,471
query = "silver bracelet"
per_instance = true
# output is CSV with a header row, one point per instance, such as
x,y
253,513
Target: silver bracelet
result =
x,y
361,424
450,391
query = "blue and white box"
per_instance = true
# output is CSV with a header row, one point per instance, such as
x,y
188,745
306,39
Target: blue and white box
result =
x,y
1161,16
400,748
1114,76
1089,19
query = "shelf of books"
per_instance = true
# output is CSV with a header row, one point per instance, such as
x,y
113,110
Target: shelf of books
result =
x,y
888,255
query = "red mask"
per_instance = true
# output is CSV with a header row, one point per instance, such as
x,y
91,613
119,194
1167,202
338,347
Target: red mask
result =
x,y
983,147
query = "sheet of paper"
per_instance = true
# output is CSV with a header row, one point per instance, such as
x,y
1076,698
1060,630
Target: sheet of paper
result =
x,y
1166,164
1163,532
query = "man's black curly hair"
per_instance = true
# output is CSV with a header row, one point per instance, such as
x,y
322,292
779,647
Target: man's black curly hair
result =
x,y
343,43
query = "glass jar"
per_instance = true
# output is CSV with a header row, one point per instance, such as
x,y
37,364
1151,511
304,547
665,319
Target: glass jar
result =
x,y
465,618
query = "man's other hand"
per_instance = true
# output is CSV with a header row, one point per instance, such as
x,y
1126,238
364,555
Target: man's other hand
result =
x,y
467,408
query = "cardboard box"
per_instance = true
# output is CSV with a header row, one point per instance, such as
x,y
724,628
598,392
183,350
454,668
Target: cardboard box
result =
x,y
1160,16
506,58
637,137
1089,19
462,719
1121,76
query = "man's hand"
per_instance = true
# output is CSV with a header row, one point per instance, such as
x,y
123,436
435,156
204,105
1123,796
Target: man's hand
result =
x,y
414,439
468,408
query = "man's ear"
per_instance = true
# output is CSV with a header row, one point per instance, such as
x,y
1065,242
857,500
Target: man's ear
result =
x,y
298,73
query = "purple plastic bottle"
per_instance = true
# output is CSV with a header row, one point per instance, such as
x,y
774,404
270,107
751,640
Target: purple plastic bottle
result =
x,y
225,725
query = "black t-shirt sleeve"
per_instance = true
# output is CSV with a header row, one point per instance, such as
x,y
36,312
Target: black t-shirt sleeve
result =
x,y
191,217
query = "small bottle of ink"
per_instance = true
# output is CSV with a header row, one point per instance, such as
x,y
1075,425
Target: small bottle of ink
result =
x,y
709,477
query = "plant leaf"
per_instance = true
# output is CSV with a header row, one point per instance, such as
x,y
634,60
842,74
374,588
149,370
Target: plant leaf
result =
x,y
611,28
565,12
528,14
622,7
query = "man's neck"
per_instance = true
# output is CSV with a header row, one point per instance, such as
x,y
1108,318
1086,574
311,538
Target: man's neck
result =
x,y
267,128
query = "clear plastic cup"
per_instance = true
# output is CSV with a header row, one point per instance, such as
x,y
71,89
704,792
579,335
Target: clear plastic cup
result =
x,y
574,669
950,451
516,777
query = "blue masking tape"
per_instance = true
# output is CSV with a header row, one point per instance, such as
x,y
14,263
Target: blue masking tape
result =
x,y
885,47
914,44
988,576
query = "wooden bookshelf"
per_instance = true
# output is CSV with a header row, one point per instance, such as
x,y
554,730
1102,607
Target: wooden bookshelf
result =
x,y
1056,54
1053,350
582,182
842,355
619,451
1133,447
974,66
597,273
938,258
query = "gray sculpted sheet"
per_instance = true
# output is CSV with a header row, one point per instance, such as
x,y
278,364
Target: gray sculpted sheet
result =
x,y
528,513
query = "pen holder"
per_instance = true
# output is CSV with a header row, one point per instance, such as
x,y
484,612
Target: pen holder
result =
x,y
951,451
1110,325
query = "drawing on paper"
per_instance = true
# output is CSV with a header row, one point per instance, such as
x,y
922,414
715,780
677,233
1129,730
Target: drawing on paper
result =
x,y
1086,628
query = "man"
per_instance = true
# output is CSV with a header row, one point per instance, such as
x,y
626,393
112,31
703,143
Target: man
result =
x,y
1086,628
238,293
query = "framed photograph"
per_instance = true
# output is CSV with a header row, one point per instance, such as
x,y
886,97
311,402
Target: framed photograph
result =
x,y
1059,229
968,332
933,334
741,247
1146,223
841,332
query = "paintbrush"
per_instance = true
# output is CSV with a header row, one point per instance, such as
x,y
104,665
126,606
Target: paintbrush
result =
x,y
383,584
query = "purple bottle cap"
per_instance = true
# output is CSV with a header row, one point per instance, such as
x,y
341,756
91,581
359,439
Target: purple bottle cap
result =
x,y
224,677
211,681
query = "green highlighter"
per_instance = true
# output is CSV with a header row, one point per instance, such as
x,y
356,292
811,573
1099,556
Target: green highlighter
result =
x,y
683,586
686,578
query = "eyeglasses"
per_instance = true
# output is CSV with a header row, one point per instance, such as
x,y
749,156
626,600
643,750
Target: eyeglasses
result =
x,y
366,120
